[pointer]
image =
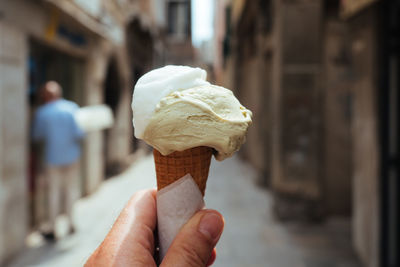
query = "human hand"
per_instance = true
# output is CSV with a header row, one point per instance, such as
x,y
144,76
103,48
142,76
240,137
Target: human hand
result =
x,y
130,242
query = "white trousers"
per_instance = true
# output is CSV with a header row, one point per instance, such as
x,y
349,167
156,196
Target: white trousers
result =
x,y
63,190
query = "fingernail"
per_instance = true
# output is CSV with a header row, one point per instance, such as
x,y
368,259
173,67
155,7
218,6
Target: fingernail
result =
x,y
211,225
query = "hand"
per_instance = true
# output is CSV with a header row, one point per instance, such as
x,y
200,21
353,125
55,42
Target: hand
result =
x,y
130,242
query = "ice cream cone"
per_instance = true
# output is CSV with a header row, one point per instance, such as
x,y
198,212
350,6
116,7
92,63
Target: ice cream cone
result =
x,y
174,166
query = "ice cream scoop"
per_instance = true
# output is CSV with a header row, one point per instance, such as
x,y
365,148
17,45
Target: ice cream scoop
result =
x,y
184,111
205,115
155,85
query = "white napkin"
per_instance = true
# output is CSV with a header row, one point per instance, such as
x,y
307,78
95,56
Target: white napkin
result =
x,y
176,204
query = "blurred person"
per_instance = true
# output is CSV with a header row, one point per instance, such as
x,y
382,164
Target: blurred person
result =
x,y
131,240
54,125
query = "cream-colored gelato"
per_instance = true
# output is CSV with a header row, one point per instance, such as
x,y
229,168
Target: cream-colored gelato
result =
x,y
201,115
206,115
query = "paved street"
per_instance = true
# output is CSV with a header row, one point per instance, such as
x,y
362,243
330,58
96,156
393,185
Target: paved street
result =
x,y
251,238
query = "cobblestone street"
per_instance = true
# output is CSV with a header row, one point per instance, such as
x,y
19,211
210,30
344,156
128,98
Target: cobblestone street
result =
x,y
251,238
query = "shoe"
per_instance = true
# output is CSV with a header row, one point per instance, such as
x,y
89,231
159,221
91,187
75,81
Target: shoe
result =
x,y
49,236
72,230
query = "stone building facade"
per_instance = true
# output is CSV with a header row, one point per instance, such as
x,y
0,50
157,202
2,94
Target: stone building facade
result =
x,y
178,32
13,142
84,46
314,74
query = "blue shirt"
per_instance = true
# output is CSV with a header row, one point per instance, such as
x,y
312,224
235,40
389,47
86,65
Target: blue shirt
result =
x,y
55,124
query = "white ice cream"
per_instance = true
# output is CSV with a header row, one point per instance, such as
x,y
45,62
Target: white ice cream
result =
x,y
155,85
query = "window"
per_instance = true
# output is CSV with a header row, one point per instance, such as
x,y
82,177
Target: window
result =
x,y
179,19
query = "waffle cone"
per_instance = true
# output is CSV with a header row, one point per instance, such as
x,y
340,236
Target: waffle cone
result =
x,y
174,166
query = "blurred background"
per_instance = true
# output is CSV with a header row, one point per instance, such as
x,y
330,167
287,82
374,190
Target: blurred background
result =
x,y
316,184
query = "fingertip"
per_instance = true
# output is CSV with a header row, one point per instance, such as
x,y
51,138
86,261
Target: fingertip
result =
x,y
216,213
211,225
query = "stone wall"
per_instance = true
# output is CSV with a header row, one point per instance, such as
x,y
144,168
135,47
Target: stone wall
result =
x,y
248,74
322,107
296,105
120,136
366,214
14,130
252,90
13,141
337,118
294,72
93,156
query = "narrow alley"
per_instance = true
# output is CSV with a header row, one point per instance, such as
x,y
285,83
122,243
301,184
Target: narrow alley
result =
x,y
251,237
316,184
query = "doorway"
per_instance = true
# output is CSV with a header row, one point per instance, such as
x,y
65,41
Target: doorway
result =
x,y
112,95
46,63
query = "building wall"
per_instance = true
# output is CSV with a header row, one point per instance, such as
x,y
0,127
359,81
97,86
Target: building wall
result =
x,y
323,108
366,212
96,67
252,88
179,48
296,108
120,136
14,130
220,29
92,54
300,141
337,118
250,91
13,141
248,74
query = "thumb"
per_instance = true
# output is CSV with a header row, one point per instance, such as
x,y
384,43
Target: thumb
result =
x,y
196,240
